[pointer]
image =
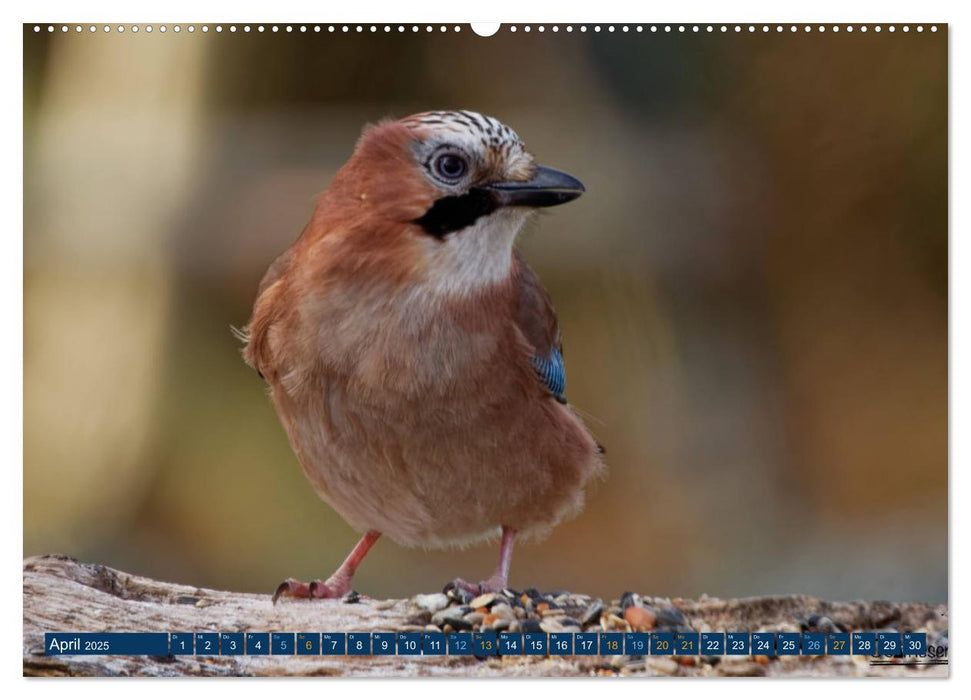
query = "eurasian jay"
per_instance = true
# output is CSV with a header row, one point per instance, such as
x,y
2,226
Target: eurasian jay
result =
x,y
412,355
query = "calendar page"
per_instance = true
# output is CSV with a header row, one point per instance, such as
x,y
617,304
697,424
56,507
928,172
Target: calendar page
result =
x,y
399,349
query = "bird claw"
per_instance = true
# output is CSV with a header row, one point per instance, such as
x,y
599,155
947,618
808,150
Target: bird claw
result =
x,y
462,585
491,585
291,588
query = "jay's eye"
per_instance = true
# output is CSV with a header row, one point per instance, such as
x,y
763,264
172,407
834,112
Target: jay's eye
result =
x,y
450,166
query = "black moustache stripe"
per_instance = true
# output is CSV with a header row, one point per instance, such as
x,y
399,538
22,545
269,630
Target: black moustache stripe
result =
x,y
450,214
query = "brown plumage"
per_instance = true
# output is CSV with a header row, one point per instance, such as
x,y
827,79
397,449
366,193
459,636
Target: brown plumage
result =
x,y
400,358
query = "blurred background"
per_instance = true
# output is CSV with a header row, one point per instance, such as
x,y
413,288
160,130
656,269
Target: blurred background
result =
x,y
753,296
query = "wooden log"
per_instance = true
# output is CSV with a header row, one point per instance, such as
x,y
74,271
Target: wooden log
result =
x,y
64,595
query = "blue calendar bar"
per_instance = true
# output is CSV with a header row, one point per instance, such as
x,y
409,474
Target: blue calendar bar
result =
x,y
207,643
737,643
561,643
333,644
915,643
308,643
432,643
230,643
282,644
536,643
838,644
864,644
713,643
257,643
511,643
181,643
487,643
459,644
787,643
685,643
586,643
359,643
410,643
813,644
384,643
102,643
637,643
662,643
611,643
889,643
763,643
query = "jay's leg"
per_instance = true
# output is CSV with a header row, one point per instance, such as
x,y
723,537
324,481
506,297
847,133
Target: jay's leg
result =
x,y
339,582
500,577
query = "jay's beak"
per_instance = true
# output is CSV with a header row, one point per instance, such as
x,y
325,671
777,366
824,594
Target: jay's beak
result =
x,y
547,188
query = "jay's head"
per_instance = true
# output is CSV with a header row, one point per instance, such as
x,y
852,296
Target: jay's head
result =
x,y
442,196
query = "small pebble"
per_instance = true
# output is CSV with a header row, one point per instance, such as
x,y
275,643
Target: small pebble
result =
x,y
422,617
351,597
454,617
503,611
483,601
630,599
636,663
669,617
822,623
664,666
432,602
741,669
592,613
457,594
553,625
612,622
474,618
620,661
531,625
640,619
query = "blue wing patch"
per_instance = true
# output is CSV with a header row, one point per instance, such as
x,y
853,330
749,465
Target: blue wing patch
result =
x,y
551,371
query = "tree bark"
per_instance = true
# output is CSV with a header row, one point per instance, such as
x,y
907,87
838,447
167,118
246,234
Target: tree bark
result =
x,y
64,595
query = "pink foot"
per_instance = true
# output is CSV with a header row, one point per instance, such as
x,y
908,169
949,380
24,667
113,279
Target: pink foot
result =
x,y
339,584
291,588
497,581
493,584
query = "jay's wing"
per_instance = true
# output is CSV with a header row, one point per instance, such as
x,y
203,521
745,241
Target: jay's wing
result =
x,y
537,321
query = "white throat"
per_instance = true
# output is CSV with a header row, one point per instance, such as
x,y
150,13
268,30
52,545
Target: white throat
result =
x,y
475,257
